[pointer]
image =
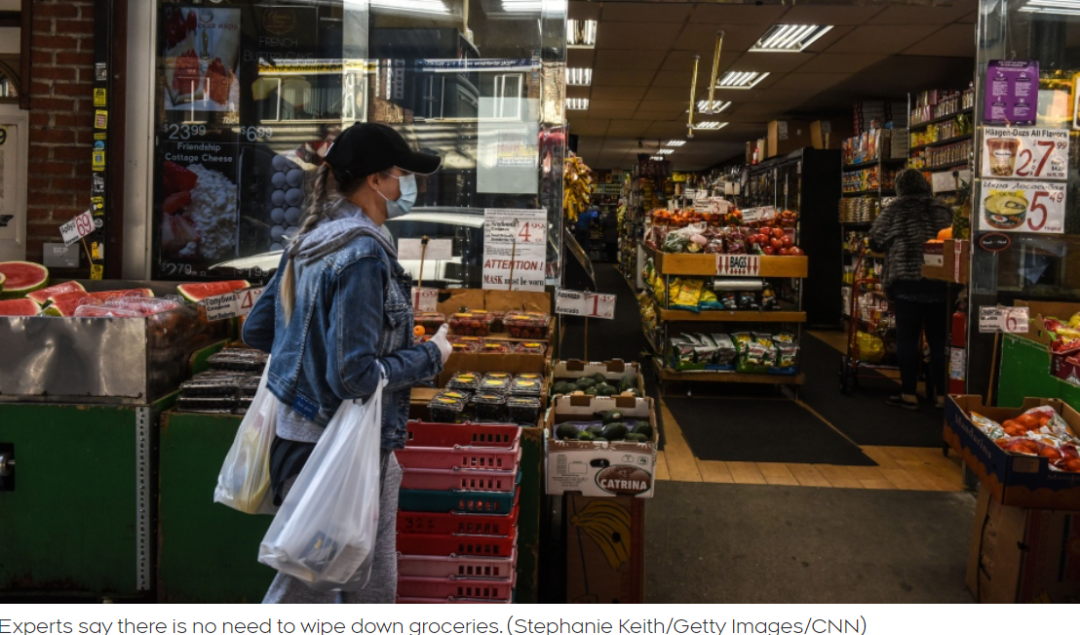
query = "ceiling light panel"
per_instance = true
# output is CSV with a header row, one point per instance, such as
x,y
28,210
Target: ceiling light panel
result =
x,y
579,77
717,106
577,103
676,143
581,33
789,38
1055,7
664,151
743,80
710,125
434,7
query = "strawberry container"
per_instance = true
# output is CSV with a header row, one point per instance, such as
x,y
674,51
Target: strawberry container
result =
x,y
464,382
448,407
524,411
456,567
464,344
448,545
431,321
472,323
527,325
497,383
496,347
530,348
490,407
453,589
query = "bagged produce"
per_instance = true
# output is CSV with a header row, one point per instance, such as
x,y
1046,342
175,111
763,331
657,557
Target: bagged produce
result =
x,y
244,480
871,347
1039,432
688,296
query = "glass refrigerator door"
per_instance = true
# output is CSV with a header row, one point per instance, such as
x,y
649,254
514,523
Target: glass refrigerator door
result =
x,y
249,96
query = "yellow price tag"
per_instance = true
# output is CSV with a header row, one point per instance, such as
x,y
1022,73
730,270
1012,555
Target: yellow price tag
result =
x,y
97,272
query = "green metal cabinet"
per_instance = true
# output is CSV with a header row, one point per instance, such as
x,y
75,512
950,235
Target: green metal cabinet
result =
x,y
1025,372
76,511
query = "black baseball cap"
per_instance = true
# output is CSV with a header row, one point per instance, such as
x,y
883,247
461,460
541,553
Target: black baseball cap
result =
x,y
367,148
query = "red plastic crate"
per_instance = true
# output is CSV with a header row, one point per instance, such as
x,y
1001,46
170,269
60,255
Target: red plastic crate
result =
x,y
455,523
443,589
460,458
405,600
449,435
457,567
459,545
459,480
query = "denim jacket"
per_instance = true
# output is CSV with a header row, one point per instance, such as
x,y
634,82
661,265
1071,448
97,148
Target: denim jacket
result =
x,y
353,318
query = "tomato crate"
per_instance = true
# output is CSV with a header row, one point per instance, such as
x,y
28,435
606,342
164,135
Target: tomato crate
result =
x,y
453,568
460,545
460,480
450,435
442,588
449,449
457,523
489,503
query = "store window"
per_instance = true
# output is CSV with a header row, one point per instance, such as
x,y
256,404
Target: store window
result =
x,y
250,94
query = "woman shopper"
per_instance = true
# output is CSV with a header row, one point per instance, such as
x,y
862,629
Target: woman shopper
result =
x,y
337,319
913,218
610,225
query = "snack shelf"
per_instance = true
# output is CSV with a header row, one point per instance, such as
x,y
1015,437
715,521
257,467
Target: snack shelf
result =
x,y
942,142
666,374
940,119
672,315
870,164
706,265
868,192
947,166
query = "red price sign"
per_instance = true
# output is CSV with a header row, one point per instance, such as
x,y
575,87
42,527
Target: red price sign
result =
x,y
531,232
77,228
1022,206
738,265
1025,153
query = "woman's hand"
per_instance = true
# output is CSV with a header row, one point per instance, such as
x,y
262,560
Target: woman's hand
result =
x,y
441,342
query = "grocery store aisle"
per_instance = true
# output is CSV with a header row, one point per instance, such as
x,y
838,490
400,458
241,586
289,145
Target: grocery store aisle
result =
x,y
735,543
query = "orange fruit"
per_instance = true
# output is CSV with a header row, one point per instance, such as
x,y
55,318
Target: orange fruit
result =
x,y
418,331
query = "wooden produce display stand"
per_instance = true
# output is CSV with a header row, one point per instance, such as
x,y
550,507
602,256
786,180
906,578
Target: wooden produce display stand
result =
x,y
669,265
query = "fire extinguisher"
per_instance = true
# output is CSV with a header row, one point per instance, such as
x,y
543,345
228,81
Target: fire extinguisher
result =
x,y
958,352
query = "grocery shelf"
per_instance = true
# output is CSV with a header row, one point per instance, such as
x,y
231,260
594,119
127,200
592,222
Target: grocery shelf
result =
x,y
954,115
948,166
666,374
943,142
867,192
870,164
705,265
671,315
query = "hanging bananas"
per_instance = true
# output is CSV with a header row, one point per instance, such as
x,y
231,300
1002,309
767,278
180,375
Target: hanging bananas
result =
x,y
578,187
608,524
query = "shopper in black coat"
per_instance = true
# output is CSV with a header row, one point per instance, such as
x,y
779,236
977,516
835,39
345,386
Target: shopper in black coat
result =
x,y
610,225
919,304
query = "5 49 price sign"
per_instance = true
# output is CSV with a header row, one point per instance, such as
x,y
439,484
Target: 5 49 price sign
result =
x,y
1022,206
1025,153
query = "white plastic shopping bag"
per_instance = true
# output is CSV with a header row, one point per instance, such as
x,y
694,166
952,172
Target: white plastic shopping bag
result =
x,y
244,480
324,533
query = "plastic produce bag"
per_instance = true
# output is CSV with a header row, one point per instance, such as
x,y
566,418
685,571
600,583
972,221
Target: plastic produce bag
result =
x,y
244,480
871,347
324,533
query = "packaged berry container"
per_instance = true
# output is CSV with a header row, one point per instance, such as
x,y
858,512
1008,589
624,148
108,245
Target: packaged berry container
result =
x,y
530,348
496,347
523,411
464,382
497,325
447,407
489,407
429,320
498,383
475,324
527,325
466,344
211,384
522,387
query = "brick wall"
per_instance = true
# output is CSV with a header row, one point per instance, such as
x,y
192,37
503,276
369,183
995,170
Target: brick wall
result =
x,y
61,118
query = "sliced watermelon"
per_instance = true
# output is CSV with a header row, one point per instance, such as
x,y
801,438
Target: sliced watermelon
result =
x,y
3,279
123,293
41,296
19,308
197,291
22,278
64,305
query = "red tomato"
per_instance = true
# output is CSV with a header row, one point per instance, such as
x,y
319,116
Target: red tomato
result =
x,y
784,252
795,251
768,250
788,241
776,243
778,233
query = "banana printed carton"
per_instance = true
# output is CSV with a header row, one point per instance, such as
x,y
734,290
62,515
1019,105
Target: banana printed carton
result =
x,y
601,446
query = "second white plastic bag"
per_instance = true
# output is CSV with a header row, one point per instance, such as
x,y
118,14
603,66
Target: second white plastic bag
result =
x,y
244,480
324,533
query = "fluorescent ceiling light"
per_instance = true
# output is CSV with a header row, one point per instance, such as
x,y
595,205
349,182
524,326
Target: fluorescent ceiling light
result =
x,y
522,6
676,143
581,33
710,125
717,106
1055,7
741,79
664,151
789,38
413,6
657,158
579,77
577,103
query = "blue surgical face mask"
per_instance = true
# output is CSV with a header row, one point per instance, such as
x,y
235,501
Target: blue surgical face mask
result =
x,y
403,205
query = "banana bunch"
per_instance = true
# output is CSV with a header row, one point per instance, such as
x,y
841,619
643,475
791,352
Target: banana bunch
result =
x,y
578,186
608,524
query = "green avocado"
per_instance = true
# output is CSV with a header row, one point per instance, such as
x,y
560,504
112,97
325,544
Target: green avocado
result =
x,y
584,383
615,432
598,378
562,388
591,391
567,432
596,431
586,436
638,438
643,428
627,383
606,390
611,416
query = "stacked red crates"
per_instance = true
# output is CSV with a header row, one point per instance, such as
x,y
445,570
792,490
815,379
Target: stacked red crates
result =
x,y
458,512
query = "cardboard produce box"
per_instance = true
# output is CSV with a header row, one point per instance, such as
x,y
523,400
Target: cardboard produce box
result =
x,y
1017,480
605,550
1066,365
613,371
948,260
615,468
1023,555
786,136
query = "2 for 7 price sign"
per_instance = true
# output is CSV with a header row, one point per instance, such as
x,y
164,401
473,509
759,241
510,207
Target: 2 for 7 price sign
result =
x,y
1025,153
1022,206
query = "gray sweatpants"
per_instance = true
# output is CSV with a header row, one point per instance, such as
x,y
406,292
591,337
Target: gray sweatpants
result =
x,y
382,587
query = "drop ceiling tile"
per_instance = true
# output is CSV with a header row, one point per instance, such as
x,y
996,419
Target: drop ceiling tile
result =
x,y
771,62
644,12
728,14
613,104
920,15
679,93
583,10
971,18
610,113
701,38
580,58
627,128
839,63
826,14
610,60
832,36
955,40
667,130
882,39
589,127
683,61
810,81
578,91
674,79
663,106
649,36
620,93
623,78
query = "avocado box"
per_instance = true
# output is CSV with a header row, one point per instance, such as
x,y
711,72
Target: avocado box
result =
x,y
601,468
1012,479
613,371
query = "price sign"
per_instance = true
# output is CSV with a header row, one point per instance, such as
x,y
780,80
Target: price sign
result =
x,y
757,214
77,228
531,232
1003,319
245,300
1025,153
738,265
585,304
425,299
412,248
231,305
1022,206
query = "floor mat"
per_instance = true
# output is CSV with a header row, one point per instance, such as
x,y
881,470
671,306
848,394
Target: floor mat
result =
x,y
862,414
765,430
621,338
